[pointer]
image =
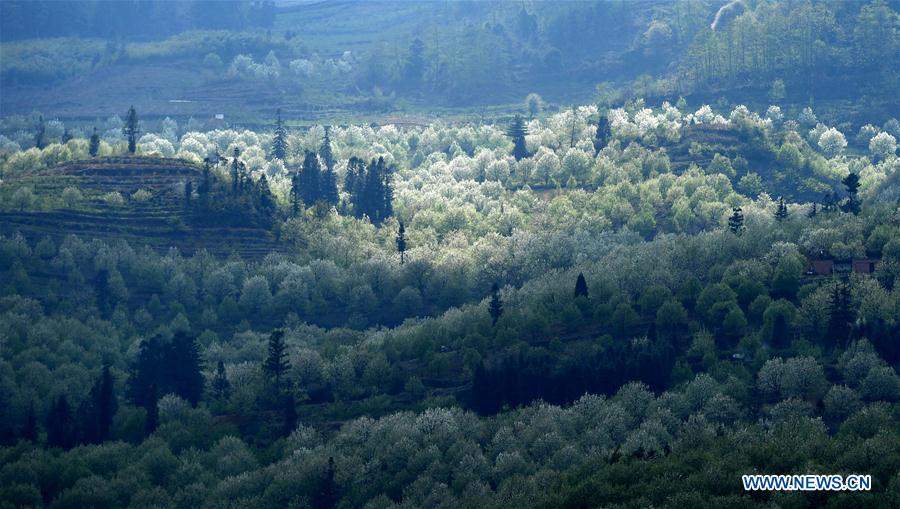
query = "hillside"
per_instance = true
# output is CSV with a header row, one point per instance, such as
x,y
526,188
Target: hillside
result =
x,y
450,254
158,218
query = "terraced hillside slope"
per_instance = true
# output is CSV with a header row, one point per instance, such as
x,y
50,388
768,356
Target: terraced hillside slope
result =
x,y
138,199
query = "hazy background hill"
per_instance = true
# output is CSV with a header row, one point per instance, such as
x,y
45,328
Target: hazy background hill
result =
x,y
333,60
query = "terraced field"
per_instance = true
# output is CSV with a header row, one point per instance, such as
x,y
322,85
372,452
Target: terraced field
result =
x,y
156,216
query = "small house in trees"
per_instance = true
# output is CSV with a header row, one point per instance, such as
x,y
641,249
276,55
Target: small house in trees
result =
x,y
829,266
865,265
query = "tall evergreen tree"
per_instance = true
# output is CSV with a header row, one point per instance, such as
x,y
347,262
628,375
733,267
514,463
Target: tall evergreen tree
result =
x,y
276,364
235,171
851,183
265,200
371,199
841,316
581,288
603,134
517,132
164,367
102,407
781,212
327,495
296,194
495,308
221,387
736,221
205,186
66,136
30,431
146,370
39,133
188,193
325,151
7,432
185,367
279,141
813,211
130,130
387,186
60,425
356,169
414,67
329,187
401,242
310,176
94,146
289,414
151,422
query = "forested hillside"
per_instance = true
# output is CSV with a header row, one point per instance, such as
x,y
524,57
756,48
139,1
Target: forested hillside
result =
x,y
469,315
300,254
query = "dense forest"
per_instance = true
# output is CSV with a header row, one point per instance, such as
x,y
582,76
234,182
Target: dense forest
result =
x,y
630,300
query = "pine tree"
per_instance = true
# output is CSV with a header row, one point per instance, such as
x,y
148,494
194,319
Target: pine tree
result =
x,y
581,288
151,422
329,187
517,132
94,146
371,198
279,141
185,367
309,179
851,183
60,425
235,171
67,136
603,134
327,495
188,192
289,414
276,364
401,242
130,129
414,67
496,306
325,151
221,387
296,194
7,433
355,168
205,186
736,221
265,200
101,408
387,186
813,211
40,132
842,315
781,212
30,431
146,371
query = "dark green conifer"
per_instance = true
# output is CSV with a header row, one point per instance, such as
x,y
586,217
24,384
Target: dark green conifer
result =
x,y
130,130
517,132
279,141
736,221
495,308
94,146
